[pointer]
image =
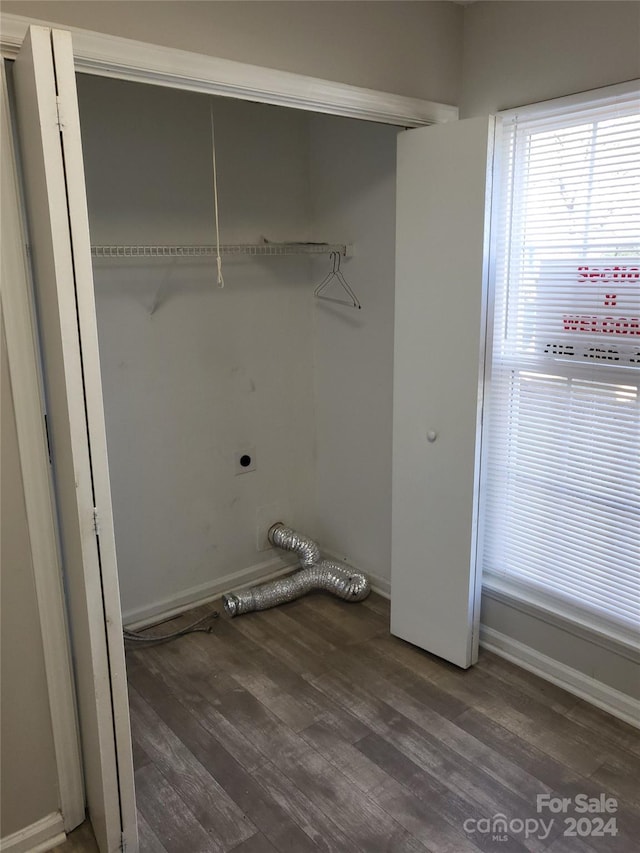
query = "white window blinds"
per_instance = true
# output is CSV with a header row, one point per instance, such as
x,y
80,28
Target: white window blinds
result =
x,y
562,428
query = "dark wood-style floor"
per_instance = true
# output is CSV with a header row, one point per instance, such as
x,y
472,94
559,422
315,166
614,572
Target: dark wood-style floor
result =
x,y
309,727
81,840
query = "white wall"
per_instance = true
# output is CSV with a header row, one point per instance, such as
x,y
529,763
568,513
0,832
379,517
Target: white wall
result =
x,y
28,777
209,372
353,168
404,47
520,53
261,364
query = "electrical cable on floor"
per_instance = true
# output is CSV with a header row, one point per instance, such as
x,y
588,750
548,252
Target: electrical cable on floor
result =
x,y
194,628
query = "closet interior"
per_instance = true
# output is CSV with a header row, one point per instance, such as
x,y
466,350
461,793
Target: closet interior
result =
x,y
199,378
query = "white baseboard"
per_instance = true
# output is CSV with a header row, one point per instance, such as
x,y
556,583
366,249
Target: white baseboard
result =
x,y
613,701
167,608
36,838
380,585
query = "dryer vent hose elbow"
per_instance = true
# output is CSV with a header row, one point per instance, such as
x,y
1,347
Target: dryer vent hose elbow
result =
x,y
315,574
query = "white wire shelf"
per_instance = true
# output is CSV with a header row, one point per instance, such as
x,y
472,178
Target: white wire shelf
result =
x,y
226,249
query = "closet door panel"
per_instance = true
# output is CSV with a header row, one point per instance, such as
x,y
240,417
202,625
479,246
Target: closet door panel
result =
x,y
87,325
60,249
441,282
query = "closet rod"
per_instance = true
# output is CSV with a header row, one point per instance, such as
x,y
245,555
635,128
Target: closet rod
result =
x,y
229,249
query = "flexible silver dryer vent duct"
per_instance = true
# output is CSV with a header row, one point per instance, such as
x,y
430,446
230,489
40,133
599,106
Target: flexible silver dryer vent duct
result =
x,y
287,539
315,574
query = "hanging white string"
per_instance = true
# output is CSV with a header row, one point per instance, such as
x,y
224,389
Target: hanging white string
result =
x,y
215,199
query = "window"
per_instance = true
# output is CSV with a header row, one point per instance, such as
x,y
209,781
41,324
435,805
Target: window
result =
x,y
562,441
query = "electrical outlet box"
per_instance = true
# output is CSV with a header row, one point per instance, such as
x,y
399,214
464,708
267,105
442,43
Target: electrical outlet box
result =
x,y
245,460
266,517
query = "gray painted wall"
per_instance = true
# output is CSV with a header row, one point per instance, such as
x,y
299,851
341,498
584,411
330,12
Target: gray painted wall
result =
x,y
520,53
28,777
407,48
353,185
260,365
193,374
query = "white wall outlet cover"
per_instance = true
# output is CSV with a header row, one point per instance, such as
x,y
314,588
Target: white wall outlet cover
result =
x,y
244,460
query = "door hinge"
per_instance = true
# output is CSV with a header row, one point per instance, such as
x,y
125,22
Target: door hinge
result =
x,y
96,521
59,112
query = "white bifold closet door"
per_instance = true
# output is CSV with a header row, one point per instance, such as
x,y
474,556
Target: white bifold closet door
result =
x,y
49,132
442,225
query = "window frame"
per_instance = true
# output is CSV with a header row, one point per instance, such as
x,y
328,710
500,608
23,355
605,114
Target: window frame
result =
x,y
505,588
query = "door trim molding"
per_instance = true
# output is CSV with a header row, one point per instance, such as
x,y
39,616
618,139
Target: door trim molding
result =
x,y
24,370
126,59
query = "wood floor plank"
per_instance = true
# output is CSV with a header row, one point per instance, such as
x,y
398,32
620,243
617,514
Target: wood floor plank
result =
x,y
368,827
612,741
300,650
561,779
252,664
140,757
212,807
148,841
451,807
363,664
359,623
462,777
570,845
81,840
258,843
420,819
538,763
323,831
259,807
278,623
195,698
314,620
617,732
622,779
414,659
544,727
244,649
424,706
266,681
344,755
593,844
379,605
526,682
261,727
168,815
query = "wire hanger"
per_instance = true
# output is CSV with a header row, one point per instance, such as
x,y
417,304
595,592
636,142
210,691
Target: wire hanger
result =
x,y
336,275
